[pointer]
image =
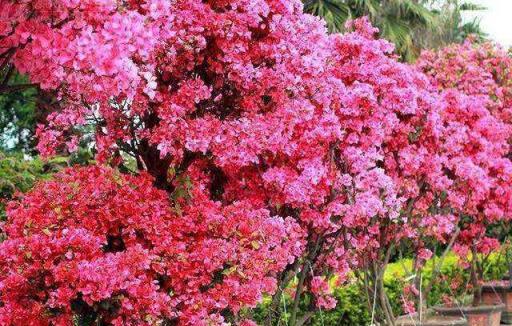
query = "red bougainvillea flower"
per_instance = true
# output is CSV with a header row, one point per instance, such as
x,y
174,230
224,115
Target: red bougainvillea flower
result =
x,y
94,243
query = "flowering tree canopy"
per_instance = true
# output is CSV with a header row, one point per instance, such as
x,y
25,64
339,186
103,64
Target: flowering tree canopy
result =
x,y
266,149
473,148
451,169
483,132
482,70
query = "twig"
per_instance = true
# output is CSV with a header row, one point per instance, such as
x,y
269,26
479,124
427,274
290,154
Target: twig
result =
x,y
440,263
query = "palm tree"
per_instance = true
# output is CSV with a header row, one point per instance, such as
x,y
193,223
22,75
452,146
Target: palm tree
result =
x,y
409,24
396,19
454,28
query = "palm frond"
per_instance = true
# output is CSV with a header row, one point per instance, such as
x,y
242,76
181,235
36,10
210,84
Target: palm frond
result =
x,y
396,30
472,28
369,8
334,12
412,12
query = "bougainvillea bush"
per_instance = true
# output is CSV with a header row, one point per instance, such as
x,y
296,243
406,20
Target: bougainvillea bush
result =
x,y
474,192
102,245
462,186
483,133
451,170
269,154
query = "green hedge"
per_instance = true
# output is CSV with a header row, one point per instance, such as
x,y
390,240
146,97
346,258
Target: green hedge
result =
x,y
352,309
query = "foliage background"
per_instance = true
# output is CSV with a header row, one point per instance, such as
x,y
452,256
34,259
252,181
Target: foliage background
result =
x,y
352,308
412,25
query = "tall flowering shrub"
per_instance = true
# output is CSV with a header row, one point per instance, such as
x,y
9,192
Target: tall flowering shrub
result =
x,y
449,162
483,73
476,133
471,189
482,70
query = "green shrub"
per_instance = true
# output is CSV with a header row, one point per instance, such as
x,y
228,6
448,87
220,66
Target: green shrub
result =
x,y
352,308
19,175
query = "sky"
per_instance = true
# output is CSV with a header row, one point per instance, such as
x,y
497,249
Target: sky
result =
x,y
496,20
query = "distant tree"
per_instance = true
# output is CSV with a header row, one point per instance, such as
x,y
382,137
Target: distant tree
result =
x,y
451,25
411,25
23,106
17,111
18,174
396,19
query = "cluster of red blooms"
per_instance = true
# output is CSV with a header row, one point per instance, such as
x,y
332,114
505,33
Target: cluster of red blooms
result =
x,y
266,146
95,241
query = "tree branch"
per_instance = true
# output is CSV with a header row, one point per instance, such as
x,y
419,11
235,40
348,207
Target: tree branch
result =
x,y
15,88
439,264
